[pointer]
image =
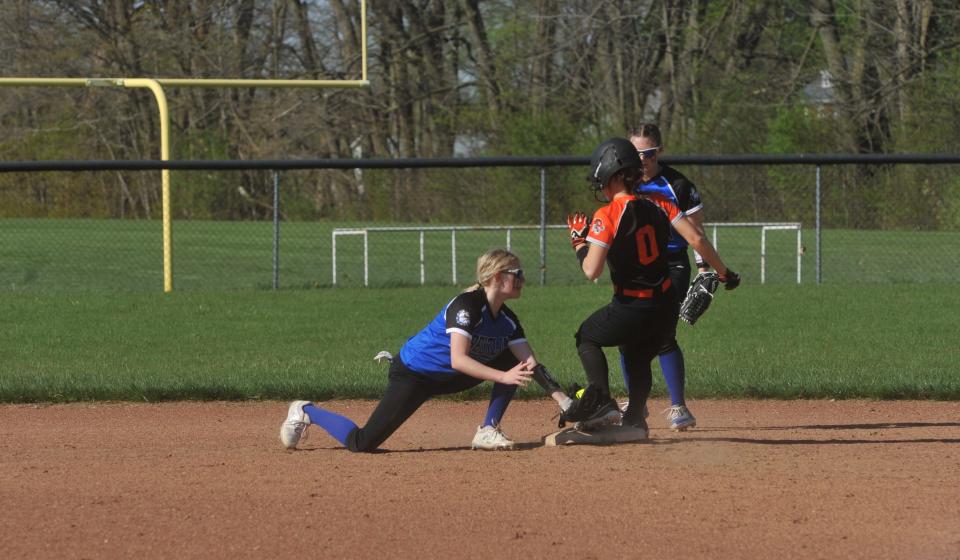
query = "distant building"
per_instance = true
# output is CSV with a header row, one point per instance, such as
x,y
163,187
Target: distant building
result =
x,y
821,93
468,145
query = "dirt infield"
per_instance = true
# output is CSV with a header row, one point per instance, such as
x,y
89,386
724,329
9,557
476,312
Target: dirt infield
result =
x,y
757,479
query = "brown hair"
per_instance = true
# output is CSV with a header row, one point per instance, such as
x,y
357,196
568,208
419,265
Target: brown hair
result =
x,y
490,263
646,130
631,176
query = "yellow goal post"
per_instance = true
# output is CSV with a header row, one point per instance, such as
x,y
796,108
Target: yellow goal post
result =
x,y
155,85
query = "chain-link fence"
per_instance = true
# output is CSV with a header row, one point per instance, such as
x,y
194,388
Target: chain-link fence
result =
x,y
261,229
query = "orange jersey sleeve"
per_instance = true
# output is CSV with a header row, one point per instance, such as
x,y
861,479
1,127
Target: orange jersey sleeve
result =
x,y
606,220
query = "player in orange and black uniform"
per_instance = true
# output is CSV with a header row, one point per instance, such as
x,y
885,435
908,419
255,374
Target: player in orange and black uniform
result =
x,y
630,235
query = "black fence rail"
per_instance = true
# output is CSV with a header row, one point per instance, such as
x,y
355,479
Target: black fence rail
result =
x,y
460,162
271,223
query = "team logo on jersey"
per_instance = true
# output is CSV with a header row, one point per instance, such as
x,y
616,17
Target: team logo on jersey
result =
x,y
463,317
598,226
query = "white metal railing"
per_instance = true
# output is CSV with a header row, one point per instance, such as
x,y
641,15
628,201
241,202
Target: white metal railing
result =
x,y
764,228
337,232
364,232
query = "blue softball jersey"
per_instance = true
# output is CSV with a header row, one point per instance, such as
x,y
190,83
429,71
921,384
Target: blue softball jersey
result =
x,y
428,351
673,185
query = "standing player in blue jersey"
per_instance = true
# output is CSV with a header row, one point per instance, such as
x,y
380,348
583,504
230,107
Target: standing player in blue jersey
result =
x,y
666,181
474,338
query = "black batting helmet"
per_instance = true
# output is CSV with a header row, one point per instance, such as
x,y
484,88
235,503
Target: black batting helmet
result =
x,y
610,157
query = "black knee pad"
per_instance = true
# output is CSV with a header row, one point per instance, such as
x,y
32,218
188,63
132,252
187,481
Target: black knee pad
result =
x,y
585,346
668,346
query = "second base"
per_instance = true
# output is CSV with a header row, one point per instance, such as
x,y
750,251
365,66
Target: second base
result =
x,y
601,436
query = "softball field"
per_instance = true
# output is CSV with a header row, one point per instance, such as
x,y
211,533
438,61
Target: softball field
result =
x,y
756,479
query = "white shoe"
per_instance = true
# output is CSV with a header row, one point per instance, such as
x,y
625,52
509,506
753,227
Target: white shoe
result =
x,y
490,438
293,428
680,418
625,404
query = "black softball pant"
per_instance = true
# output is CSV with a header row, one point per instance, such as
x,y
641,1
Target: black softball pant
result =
x,y
406,391
638,327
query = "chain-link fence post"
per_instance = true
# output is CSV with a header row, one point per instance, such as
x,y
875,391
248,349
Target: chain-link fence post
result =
x,y
276,230
818,202
543,226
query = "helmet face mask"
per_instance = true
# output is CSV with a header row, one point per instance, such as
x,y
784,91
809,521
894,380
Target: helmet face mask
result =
x,y
611,157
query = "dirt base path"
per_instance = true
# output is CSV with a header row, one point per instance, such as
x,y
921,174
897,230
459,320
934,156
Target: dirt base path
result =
x,y
757,479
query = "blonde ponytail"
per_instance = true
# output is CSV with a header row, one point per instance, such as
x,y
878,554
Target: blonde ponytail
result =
x,y
490,263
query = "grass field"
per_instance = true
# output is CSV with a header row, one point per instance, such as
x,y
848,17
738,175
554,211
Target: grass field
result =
x,y
41,256
780,341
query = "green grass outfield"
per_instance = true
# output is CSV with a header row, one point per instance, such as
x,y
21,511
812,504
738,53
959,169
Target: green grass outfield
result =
x,y
48,255
779,341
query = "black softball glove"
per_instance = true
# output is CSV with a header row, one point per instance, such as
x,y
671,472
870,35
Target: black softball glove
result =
x,y
699,296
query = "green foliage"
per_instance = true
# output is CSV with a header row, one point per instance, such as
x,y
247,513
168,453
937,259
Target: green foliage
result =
x,y
567,74
512,194
798,129
931,125
52,194
546,134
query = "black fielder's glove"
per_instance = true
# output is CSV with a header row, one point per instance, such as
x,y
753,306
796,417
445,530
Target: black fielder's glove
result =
x,y
585,403
590,409
699,296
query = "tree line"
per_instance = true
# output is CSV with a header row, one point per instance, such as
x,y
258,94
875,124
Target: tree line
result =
x,y
472,77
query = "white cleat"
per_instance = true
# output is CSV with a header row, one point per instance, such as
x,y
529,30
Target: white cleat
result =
x,y
680,418
293,428
491,438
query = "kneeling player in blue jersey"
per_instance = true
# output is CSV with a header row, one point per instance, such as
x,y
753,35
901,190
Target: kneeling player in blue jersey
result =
x,y
474,338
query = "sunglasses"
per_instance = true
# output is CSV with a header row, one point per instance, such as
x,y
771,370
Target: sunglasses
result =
x,y
649,152
518,272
